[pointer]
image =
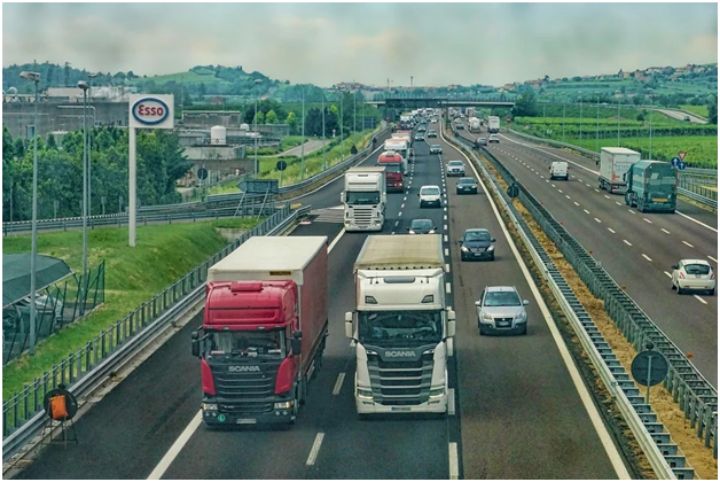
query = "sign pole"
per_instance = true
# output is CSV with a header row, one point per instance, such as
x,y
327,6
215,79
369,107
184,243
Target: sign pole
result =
x,y
649,379
132,184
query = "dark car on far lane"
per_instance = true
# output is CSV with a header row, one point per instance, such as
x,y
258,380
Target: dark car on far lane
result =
x,y
466,185
477,244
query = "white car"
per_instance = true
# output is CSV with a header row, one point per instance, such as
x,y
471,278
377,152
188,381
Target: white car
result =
x,y
494,138
693,274
455,168
430,195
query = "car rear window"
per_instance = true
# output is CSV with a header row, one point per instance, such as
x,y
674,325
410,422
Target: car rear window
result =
x,y
502,298
697,269
430,190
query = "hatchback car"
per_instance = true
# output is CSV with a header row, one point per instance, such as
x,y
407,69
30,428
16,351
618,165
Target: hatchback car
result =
x,y
466,185
455,168
431,133
430,195
435,149
481,142
501,310
693,274
422,226
494,138
419,137
477,244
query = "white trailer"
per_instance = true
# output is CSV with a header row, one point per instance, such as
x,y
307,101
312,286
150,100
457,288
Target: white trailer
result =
x,y
493,124
474,124
401,326
401,147
614,163
364,198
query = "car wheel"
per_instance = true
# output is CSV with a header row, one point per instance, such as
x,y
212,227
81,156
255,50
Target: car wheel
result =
x,y
492,257
711,292
481,330
679,290
462,257
524,330
673,287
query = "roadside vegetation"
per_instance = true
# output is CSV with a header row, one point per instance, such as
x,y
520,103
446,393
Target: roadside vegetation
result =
x,y
164,254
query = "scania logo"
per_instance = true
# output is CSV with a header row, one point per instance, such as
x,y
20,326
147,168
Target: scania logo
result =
x,y
399,354
243,369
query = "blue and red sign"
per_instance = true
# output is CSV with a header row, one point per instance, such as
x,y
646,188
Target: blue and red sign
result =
x,y
151,111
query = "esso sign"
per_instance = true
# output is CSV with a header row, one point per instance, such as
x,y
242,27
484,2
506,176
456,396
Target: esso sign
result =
x,y
151,111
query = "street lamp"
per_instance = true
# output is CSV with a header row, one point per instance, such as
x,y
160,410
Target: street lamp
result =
x,y
85,86
35,78
89,144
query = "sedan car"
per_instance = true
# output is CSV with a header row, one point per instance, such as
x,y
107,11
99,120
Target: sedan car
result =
x,y
432,133
466,185
693,274
435,149
481,142
494,138
477,244
430,195
419,137
501,310
422,226
455,168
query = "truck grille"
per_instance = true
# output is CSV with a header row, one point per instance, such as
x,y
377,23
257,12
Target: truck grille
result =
x,y
363,216
400,382
240,390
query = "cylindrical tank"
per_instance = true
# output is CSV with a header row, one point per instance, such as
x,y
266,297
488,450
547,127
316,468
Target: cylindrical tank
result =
x,y
218,136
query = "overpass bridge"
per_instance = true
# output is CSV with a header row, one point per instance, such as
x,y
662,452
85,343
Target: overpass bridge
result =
x,y
441,102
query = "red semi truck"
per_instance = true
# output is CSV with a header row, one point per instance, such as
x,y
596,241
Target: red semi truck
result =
x,y
264,328
394,170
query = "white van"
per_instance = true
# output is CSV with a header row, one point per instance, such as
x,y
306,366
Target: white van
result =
x,y
559,170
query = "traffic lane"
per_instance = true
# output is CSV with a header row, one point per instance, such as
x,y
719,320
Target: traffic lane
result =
x,y
636,259
521,414
549,153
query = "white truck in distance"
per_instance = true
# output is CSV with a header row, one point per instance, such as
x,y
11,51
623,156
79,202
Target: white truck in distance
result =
x,y
474,124
364,198
401,326
402,148
493,124
614,163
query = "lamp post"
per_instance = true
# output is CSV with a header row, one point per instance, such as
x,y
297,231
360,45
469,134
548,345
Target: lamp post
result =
x,y
35,78
85,86
89,144
302,146
257,166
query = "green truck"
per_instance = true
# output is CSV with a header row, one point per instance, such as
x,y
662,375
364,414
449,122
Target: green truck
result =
x,y
651,186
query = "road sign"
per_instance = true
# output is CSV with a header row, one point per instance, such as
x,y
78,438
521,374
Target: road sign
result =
x,y
649,368
281,165
151,111
513,190
202,173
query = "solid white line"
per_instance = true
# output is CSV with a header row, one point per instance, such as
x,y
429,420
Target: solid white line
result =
x,y
647,257
453,461
667,274
696,221
597,220
712,258
688,244
611,230
451,401
647,220
700,300
664,230
447,287
627,242
338,383
576,203
315,449
337,238
176,447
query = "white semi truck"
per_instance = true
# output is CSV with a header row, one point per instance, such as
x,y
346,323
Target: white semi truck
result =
x,y
402,328
493,124
364,198
474,124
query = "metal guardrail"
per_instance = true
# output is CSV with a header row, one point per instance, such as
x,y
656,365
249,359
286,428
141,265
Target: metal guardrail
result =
x,y
694,183
689,389
82,370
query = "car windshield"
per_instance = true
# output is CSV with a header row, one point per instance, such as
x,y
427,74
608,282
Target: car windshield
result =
x,y
501,298
421,224
363,197
247,343
430,190
455,164
435,146
466,180
400,327
477,236
697,269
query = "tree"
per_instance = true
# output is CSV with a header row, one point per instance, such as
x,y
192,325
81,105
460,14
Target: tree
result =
x,y
292,121
712,109
260,118
271,117
526,103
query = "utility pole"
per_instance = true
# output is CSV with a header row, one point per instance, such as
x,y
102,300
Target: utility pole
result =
x,y
342,101
354,111
597,125
618,116
323,115
302,146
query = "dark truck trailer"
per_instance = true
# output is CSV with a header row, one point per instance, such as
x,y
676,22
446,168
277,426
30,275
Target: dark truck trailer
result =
x,y
264,328
651,186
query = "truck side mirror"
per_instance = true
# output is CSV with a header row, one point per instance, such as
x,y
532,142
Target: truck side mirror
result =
x,y
675,266
195,343
342,197
296,343
451,323
349,324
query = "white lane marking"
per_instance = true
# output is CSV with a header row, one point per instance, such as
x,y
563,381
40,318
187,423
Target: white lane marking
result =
x,y
695,221
597,220
613,455
337,238
618,203
400,214
396,223
547,180
405,198
553,185
631,211
664,230
447,267
712,258
700,300
611,230
447,253
586,211
315,449
445,208
588,185
445,238
402,206
448,289
444,217
560,191
667,274
647,257
647,220
596,189
688,244
576,203
338,383
607,197
451,401
453,461
567,196
445,227
176,447
627,242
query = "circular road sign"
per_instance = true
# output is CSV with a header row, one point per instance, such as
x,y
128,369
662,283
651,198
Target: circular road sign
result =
x,y
649,368
150,111
281,165
202,173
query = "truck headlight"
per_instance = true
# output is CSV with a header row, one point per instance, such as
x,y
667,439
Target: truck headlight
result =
x,y
284,405
437,392
209,407
364,392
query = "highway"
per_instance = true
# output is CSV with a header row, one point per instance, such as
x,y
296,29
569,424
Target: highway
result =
x,y
637,249
519,410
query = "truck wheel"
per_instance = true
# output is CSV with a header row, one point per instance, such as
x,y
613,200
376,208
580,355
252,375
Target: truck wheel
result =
x,y
363,417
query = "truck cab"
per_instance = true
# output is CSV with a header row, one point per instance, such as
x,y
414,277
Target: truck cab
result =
x,y
651,186
394,170
364,198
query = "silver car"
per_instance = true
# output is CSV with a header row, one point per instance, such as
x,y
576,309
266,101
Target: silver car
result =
x,y
501,310
455,168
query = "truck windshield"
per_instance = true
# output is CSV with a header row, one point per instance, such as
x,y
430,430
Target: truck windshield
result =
x,y
394,167
362,197
269,344
400,327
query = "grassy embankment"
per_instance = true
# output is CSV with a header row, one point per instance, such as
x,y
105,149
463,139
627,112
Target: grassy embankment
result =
x,y
164,254
700,110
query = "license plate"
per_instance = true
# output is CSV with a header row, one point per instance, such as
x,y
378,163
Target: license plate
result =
x,y
246,421
400,409
503,324
659,199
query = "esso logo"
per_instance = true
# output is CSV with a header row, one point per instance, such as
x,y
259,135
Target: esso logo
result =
x,y
150,111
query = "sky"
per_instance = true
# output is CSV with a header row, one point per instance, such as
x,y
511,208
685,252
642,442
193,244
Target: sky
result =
x,y
437,44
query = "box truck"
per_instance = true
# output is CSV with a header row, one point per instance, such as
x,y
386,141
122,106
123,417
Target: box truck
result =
x,y
493,124
614,163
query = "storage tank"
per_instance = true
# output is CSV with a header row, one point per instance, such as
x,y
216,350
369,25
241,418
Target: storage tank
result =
x,y
218,136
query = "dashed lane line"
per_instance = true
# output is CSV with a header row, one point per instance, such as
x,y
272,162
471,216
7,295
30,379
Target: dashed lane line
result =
x,y
611,230
700,300
647,257
312,457
627,242
664,230
338,383
687,244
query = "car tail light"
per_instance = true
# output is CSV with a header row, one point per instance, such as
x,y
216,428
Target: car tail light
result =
x,y
285,376
208,382
681,275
